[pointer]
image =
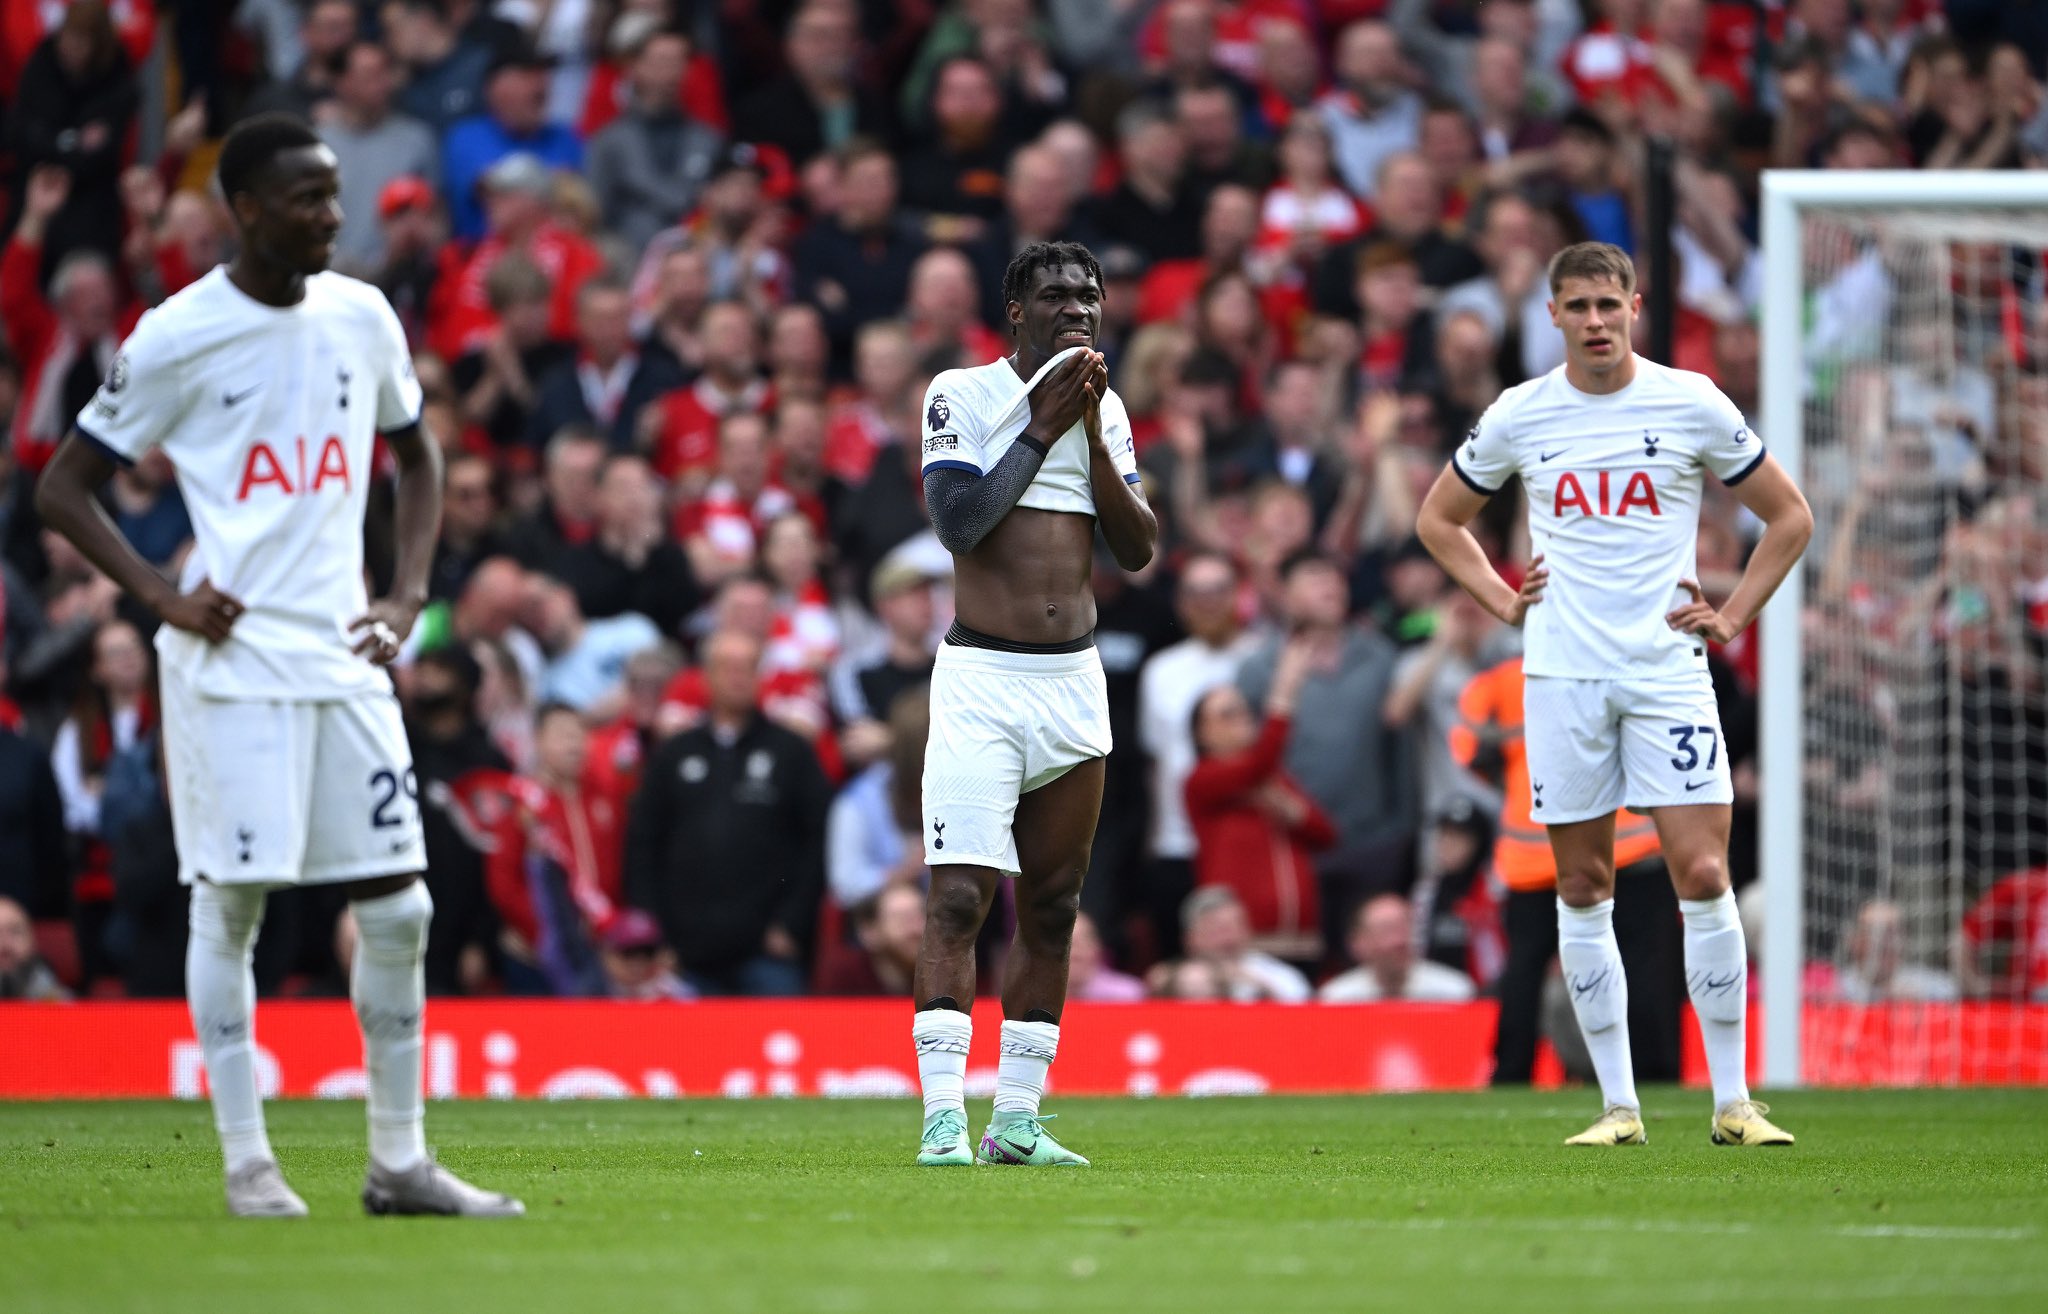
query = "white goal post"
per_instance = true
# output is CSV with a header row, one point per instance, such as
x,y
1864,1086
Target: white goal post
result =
x,y
1938,211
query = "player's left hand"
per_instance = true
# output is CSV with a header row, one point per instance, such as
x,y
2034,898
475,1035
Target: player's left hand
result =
x,y
1097,385
382,630
1700,618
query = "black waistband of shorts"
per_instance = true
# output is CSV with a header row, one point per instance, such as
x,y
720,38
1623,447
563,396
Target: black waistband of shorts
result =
x,y
961,636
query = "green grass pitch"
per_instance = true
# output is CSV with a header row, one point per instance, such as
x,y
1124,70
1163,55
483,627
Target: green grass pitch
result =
x,y
1926,1200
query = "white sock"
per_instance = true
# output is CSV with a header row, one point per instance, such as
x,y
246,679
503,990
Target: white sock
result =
x,y
388,986
1028,1049
1717,978
941,1037
1592,970
220,988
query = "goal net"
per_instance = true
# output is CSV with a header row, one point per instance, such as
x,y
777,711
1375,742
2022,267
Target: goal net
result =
x,y
1905,691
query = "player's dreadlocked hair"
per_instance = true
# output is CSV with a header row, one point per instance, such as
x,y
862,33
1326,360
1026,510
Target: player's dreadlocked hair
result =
x,y
253,143
1044,255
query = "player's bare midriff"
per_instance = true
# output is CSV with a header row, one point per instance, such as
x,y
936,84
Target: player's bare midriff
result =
x,y
1028,581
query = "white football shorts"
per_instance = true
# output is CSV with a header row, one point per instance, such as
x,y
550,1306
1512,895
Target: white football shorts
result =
x,y
1004,724
267,792
1598,745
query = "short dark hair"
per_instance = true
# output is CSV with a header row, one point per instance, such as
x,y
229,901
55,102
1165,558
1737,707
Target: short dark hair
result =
x,y
554,707
457,662
1045,255
1208,367
1303,558
254,144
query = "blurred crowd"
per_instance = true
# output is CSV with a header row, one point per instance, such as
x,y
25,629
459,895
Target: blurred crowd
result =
x,y
677,275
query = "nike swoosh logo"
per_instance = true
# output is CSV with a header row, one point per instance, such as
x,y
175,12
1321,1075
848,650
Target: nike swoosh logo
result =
x,y
230,398
1548,455
1690,786
1733,1134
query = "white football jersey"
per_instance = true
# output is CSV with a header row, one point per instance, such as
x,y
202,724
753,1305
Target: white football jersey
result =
x,y
1614,507
972,416
270,416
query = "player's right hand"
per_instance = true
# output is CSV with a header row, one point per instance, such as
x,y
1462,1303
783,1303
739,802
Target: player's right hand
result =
x,y
205,611
1530,593
1061,397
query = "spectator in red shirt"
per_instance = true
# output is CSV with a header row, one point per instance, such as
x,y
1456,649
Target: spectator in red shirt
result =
x,y
798,464
619,747
686,422
1396,334
1231,321
1306,211
567,514
554,824
2003,949
943,307
1611,59
883,412
1230,226
799,353
791,696
517,190
1255,830
806,630
702,95
721,530
889,929
65,345
1449,145
1289,72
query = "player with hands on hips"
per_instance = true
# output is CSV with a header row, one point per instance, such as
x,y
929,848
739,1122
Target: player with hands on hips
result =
x,y
1619,709
268,383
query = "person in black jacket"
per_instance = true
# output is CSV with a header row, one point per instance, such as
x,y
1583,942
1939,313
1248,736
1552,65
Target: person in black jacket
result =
x,y
35,869
629,562
812,107
609,381
726,840
855,266
461,778
74,107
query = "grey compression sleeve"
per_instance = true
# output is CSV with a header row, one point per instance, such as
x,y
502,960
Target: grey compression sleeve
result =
x,y
965,506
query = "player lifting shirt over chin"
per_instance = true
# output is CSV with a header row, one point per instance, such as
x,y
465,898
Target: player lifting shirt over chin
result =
x,y
1023,459
1618,708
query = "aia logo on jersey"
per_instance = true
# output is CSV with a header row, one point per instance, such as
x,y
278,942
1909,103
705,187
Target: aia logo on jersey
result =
x,y
1638,493
296,472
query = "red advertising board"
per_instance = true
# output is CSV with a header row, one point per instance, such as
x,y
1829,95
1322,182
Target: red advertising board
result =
x,y
740,1048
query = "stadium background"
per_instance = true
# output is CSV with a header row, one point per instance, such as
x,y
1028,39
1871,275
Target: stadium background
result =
x,y
677,276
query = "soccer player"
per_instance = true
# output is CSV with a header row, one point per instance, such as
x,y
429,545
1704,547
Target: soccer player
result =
x,y
1023,459
267,382
1618,708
